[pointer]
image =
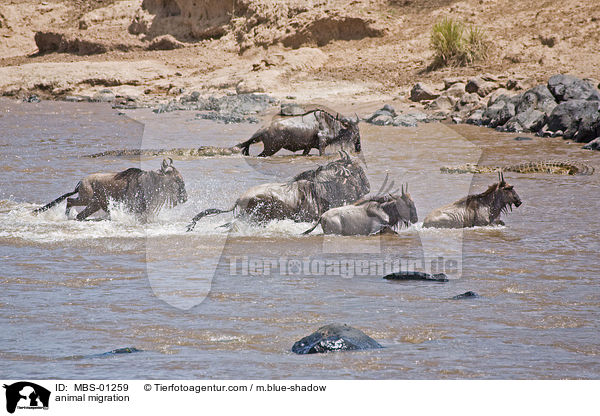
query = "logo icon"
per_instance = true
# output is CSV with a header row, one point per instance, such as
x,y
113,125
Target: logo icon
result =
x,y
26,395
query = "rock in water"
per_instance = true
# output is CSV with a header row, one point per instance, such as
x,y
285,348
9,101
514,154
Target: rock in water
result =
x,y
593,145
335,337
469,294
439,277
118,351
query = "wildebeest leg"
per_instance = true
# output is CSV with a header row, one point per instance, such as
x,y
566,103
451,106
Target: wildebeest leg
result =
x,y
306,151
245,146
226,225
89,210
269,151
386,230
73,202
322,139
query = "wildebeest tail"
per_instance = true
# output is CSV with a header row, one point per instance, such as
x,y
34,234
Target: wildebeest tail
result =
x,y
210,211
57,200
310,230
245,146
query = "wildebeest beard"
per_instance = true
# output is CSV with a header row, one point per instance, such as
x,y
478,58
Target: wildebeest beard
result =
x,y
147,191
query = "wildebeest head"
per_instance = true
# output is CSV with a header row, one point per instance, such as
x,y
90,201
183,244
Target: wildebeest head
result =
x,y
406,206
505,195
173,186
350,132
400,208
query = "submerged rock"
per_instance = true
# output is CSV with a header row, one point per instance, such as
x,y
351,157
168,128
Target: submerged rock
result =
x,y
439,277
335,337
118,351
466,295
593,145
126,350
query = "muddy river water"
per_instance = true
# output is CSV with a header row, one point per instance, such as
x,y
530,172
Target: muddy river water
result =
x,y
219,303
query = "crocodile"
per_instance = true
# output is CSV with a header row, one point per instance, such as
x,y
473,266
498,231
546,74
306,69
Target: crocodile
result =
x,y
184,152
557,167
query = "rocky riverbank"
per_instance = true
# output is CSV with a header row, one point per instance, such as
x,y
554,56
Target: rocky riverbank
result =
x,y
564,106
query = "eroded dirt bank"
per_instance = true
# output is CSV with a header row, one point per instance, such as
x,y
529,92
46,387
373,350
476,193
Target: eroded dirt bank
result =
x,y
338,51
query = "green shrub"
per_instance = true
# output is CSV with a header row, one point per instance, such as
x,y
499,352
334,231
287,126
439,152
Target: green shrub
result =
x,y
455,44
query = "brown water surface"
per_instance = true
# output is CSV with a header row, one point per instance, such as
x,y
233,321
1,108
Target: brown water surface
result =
x,y
72,289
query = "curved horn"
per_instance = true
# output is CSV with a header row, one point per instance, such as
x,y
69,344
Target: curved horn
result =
x,y
402,188
170,162
502,175
382,189
164,165
357,119
347,155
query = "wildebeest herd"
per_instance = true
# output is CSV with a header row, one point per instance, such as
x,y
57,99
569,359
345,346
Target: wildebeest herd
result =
x,y
334,195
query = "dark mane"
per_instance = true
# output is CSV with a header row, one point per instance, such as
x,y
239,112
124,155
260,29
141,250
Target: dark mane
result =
x,y
380,199
312,174
337,183
129,174
478,197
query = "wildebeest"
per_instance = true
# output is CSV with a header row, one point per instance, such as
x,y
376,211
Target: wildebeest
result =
x,y
370,216
315,129
476,210
304,198
141,192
